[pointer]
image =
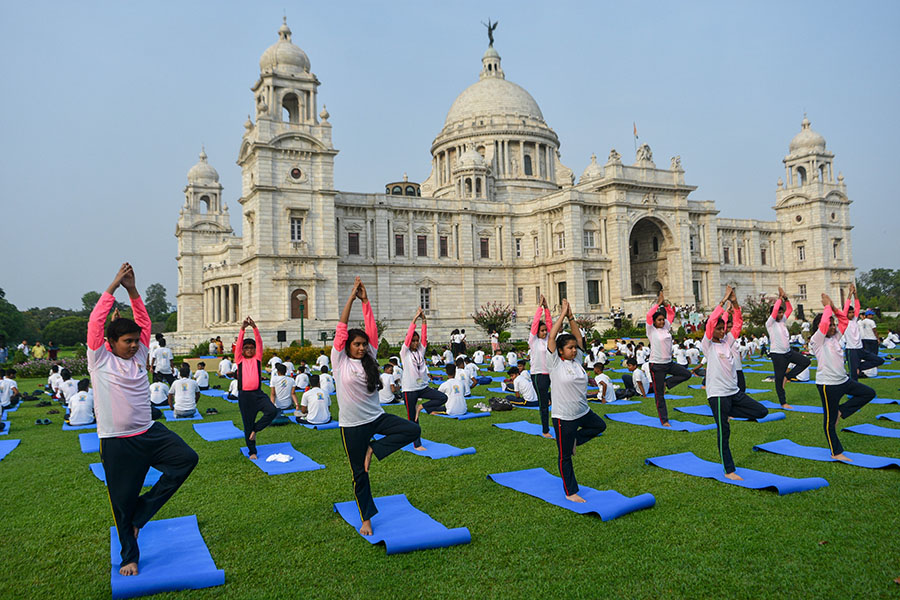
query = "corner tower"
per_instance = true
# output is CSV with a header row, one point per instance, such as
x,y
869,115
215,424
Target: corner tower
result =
x,y
287,165
813,212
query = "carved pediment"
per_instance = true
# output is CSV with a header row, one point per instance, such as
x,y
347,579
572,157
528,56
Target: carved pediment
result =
x,y
426,282
353,227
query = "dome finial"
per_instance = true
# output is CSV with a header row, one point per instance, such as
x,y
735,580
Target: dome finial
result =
x,y
324,114
202,154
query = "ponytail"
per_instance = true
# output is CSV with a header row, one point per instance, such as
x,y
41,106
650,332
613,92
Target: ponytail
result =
x,y
370,366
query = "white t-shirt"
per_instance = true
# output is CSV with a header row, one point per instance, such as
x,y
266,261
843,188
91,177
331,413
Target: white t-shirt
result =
x,y
317,404
224,367
660,342
512,358
322,361
478,357
68,388
867,329
233,388
301,381
283,386
610,390
679,355
537,353
54,380
385,395
415,370
212,348
637,376
830,358
472,372
159,393
524,389
693,355
568,380
326,382
81,409
185,391
202,378
272,362
498,363
456,400
721,367
778,333
289,368
448,357
162,360
6,388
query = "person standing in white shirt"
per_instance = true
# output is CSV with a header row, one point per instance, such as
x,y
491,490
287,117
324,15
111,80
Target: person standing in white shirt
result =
x,y
415,373
184,394
453,389
201,376
315,404
81,405
665,373
281,389
495,341
832,381
780,351
573,420
161,362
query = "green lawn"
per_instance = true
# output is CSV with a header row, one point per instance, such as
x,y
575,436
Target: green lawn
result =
x,y
277,537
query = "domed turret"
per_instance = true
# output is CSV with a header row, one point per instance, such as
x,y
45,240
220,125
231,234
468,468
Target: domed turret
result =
x,y
283,56
202,173
807,140
592,171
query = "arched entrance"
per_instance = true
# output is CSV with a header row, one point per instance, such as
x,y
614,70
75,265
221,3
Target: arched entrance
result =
x,y
648,247
299,304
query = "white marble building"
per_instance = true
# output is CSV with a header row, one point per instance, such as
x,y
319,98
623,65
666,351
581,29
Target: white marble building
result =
x,y
500,217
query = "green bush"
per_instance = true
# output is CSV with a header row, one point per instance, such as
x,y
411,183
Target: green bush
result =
x,y
295,354
201,349
66,330
504,336
172,322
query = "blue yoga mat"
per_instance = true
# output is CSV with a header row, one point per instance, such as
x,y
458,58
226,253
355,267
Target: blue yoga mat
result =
x,y
6,426
218,431
214,393
869,429
805,408
89,442
402,527
895,417
689,464
622,402
150,479
524,427
333,424
464,416
607,504
170,416
635,418
757,391
704,410
13,409
789,448
301,462
677,397
884,401
173,557
67,427
435,450
7,446
497,390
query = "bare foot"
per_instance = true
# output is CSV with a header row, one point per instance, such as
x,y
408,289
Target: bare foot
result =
x,y
366,528
840,416
734,476
787,407
129,569
253,457
666,424
842,457
252,436
420,448
548,435
368,461
575,498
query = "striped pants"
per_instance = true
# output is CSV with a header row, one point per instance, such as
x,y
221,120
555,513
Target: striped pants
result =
x,y
831,395
738,405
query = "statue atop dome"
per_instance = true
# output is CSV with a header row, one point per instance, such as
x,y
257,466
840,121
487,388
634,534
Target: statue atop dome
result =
x,y
490,28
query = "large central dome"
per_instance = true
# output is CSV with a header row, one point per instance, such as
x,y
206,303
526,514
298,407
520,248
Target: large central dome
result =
x,y
493,96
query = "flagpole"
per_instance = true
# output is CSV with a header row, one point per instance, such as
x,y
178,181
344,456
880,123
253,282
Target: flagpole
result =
x,y
635,137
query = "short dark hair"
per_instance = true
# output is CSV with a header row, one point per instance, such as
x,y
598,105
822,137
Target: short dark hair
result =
x,y
324,368
201,365
451,370
162,342
281,368
10,372
460,361
564,339
512,371
184,370
631,361
84,384
600,365
54,368
123,326
249,342
65,374
388,366
314,380
300,369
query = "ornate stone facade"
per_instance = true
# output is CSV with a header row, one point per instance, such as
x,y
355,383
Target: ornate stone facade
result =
x,y
499,218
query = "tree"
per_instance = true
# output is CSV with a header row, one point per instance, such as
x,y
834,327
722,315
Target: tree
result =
x,y
879,288
172,322
89,301
67,331
155,300
40,317
756,309
11,320
494,316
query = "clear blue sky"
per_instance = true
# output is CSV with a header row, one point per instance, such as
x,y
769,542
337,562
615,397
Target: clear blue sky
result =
x,y
105,106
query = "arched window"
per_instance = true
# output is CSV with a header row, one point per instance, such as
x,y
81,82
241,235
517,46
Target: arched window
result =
x,y
528,169
410,190
299,304
655,244
290,109
801,173
468,186
204,205
478,187
637,289
397,191
821,172
387,189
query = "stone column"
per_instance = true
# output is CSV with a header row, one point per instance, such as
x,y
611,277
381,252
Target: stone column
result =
x,y
603,242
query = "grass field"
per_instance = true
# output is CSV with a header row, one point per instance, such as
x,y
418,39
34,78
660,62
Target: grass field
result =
x,y
277,537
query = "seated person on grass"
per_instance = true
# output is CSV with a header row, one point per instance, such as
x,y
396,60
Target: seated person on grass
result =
x,y
390,387
201,376
233,390
463,376
498,364
522,386
605,392
225,367
636,383
326,381
301,381
315,404
81,405
281,389
184,394
159,393
453,389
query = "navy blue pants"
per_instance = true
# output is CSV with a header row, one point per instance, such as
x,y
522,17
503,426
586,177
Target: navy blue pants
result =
x,y
570,434
411,399
542,387
860,359
858,396
780,362
738,405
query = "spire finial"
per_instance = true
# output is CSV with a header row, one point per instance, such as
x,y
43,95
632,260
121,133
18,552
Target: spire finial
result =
x,y
202,152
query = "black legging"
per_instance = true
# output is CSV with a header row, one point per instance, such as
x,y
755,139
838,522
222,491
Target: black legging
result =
x,y
542,387
678,374
251,404
780,362
570,434
737,405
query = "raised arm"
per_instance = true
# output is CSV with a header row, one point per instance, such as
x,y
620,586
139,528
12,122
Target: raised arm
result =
x,y
575,327
536,322
788,309
368,315
554,331
97,320
141,317
412,328
712,320
842,320
670,313
652,312
775,308
736,316
340,334
825,321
